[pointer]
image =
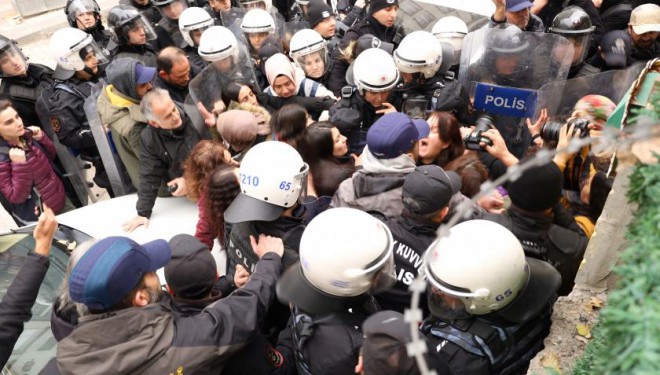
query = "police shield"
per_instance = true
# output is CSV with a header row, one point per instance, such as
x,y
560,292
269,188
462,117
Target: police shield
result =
x,y
560,97
207,86
512,58
74,168
229,17
119,180
502,68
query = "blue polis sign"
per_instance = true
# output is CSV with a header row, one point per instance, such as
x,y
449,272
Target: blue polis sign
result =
x,y
507,101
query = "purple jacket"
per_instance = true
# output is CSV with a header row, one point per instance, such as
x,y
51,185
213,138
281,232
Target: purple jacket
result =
x,y
17,179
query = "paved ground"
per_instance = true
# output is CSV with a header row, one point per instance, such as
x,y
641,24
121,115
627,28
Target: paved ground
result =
x,y
33,35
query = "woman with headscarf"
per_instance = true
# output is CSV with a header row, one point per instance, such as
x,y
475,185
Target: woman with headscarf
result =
x,y
286,80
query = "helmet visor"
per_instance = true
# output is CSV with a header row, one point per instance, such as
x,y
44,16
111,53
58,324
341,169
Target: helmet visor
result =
x,y
90,54
381,272
12,61
83,12
580,43
415,107
173,10
314,63
253,4
446,306
196,34
300,182
138,31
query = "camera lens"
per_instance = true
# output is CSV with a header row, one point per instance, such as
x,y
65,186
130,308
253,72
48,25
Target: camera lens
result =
x,y
550,131
483,123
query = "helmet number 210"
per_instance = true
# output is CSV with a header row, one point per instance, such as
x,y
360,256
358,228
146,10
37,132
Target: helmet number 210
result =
x,y
249,180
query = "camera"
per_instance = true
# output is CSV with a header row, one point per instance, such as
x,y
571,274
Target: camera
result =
x,y
550,131
483,123
172,188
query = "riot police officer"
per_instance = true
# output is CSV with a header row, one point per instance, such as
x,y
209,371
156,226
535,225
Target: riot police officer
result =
x,y
20,81
346,256
423,72
490,306
85,15
451,30
78,59
574,24
133,33
167,29
309,51
381,22
146,8
375,75
192,23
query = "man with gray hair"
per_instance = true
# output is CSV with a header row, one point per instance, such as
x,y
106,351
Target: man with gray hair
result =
x,y
166,143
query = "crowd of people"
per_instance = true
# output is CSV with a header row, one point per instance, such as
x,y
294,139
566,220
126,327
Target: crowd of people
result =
x,y
325,145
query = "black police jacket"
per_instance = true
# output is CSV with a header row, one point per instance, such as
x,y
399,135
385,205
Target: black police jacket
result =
x,y
368,25
144,53
330,343
162,154
430,90
67,114
411,239
554,238
353,116
23,91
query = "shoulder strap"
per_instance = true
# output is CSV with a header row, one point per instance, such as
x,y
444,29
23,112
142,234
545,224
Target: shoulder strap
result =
x,y
71,90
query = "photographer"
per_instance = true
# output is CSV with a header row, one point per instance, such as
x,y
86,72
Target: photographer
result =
x,y
491,146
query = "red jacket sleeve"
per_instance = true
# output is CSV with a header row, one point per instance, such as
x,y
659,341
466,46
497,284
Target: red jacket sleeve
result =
x,y
203,230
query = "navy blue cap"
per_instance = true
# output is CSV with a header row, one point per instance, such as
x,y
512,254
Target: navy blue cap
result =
x,y
517,5
112,267
395,134
144,74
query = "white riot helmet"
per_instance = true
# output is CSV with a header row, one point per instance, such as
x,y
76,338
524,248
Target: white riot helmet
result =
x,y
309,50
272,176
218,43
70,48
258,21
481,264
451,30
257,4
374,70
410,58
194,20
344,253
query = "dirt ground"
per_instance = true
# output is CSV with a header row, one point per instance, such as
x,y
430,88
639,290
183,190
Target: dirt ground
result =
x,y
572,320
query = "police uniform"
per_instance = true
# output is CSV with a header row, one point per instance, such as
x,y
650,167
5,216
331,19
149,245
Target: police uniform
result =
x,y
430,91
23,91
500,342
64,102
168,34
143,53
353,116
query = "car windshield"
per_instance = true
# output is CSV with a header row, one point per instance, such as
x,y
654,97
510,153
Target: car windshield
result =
x,y
36,346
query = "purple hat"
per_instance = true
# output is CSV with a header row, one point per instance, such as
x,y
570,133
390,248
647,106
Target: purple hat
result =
x,y
517,5
112,267
144,74
395,134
